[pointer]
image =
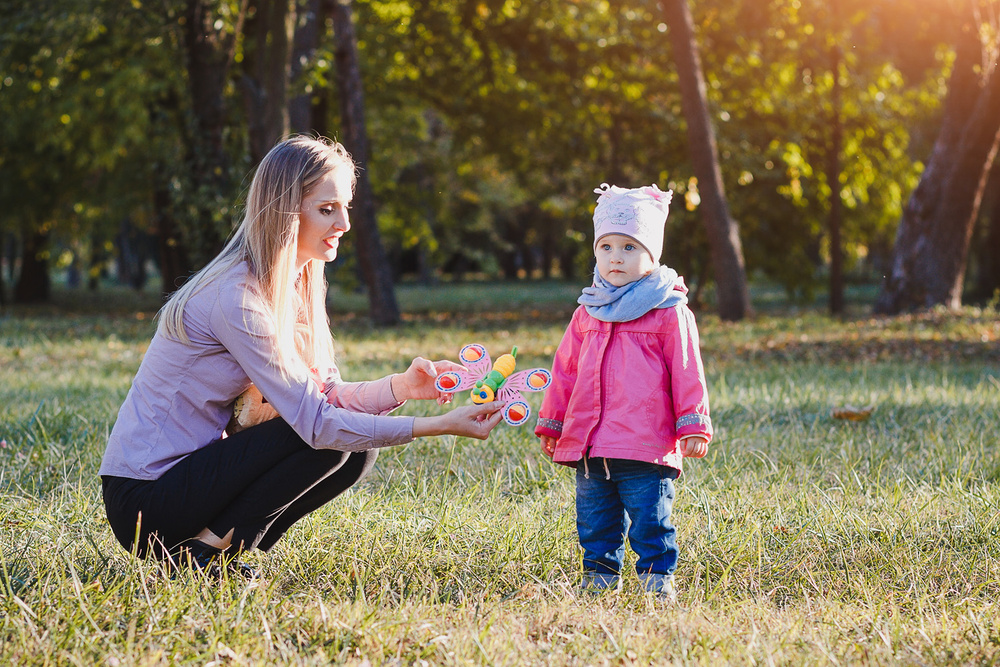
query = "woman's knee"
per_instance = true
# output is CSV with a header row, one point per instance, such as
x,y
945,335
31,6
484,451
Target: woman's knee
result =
x,y
362,462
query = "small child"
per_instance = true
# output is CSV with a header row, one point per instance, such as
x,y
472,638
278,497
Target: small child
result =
x,y
628,398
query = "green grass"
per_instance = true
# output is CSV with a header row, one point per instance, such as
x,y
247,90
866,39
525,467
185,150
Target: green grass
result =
x,y
805,539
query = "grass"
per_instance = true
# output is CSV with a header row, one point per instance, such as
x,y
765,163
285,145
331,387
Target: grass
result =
x,y
805,539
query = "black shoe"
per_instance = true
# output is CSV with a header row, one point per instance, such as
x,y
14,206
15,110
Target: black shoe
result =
x,y
245,571
193,554
208,560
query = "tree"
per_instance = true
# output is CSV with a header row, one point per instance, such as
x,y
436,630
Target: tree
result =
x,y
209,33
931,251
267,69
530,107
833,164
305,113
75,128
374,264
722,229
987,285
771,75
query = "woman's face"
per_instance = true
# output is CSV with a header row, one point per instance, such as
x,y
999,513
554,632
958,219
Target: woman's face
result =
x,y
323,217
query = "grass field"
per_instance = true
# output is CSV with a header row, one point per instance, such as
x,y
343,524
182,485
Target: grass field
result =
x,y
805,539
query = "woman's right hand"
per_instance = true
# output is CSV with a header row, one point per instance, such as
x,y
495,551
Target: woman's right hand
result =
x,y
470,421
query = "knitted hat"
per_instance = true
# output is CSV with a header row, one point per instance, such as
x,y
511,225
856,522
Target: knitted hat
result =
x,y
639,213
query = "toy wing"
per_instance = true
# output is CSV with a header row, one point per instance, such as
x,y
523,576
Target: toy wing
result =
x,y
535,379
477,362
516,410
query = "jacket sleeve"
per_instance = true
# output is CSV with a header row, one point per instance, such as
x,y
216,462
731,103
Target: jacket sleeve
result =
x,y
564,372
687,377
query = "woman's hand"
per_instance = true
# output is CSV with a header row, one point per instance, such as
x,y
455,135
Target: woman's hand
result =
x,y
470,421
417,381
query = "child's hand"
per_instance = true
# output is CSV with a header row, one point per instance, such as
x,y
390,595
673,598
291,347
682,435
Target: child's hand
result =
x,y
548,445
694,447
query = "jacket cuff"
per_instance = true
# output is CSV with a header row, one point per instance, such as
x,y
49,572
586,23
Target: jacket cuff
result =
x,y
550,427
694,424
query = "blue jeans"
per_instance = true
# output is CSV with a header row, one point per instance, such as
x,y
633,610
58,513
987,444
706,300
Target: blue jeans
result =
x,y
635,501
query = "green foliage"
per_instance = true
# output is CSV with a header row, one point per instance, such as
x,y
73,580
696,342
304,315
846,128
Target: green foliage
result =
x,y
492,122
563,96
772,83
80,82
513,114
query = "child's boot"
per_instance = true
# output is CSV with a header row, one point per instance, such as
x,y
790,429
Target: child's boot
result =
x,y
596,583
659,585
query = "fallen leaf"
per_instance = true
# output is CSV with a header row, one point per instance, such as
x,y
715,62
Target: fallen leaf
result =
x,y
852,413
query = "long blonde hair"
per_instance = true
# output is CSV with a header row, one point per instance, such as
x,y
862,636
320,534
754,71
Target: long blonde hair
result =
x,y
267,239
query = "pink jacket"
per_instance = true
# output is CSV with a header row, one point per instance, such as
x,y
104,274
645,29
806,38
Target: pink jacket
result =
x,y
626,390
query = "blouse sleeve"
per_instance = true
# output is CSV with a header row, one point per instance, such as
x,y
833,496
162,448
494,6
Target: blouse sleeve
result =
x,y
373,397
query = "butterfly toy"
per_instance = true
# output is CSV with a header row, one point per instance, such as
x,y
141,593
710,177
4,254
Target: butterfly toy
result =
x,y
497,380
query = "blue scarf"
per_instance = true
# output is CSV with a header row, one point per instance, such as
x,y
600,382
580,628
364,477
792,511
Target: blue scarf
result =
x,y
608,303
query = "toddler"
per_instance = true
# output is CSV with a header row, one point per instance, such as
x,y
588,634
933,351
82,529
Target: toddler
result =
x,y
628,398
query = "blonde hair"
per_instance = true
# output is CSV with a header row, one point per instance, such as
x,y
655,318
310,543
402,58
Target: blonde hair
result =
x,y
267,239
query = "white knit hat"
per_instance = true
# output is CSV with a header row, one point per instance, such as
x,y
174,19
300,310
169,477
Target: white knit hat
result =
x,y
639,213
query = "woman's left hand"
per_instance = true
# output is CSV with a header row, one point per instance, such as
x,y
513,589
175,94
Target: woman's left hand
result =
x,y
417,381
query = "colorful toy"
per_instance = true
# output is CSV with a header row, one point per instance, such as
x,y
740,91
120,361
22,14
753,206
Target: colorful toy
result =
x,y
495,381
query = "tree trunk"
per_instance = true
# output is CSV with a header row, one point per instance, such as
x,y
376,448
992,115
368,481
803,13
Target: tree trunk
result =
x,y
208,54
34,285
174,264
567,263
310,26
932,244
833,180
3,287
267,72
132,254
988,257
723,232
371,254
97,264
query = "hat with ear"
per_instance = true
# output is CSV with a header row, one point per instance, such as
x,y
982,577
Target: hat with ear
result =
x,y
639,213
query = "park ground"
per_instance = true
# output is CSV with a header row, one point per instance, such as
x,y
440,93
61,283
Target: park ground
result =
x,y
806,539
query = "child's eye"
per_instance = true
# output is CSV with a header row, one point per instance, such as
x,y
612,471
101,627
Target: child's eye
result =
x,y
629,246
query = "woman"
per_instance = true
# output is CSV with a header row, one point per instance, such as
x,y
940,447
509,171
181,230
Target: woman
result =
x,y
174,485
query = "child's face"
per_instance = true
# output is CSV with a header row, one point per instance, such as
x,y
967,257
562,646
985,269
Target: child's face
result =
x,y
621,260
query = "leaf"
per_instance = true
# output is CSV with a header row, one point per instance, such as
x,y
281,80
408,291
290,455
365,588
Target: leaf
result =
x,y
852,413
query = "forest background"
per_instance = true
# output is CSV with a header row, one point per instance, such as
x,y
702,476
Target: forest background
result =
x,y
794,133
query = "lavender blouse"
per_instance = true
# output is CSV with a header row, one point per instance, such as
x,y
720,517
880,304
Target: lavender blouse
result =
x,y
182,395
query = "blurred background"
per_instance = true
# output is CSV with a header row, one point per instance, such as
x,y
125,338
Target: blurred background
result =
x,y
812,146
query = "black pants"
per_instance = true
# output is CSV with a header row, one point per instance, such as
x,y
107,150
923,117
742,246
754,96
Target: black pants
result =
x,y
256,483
